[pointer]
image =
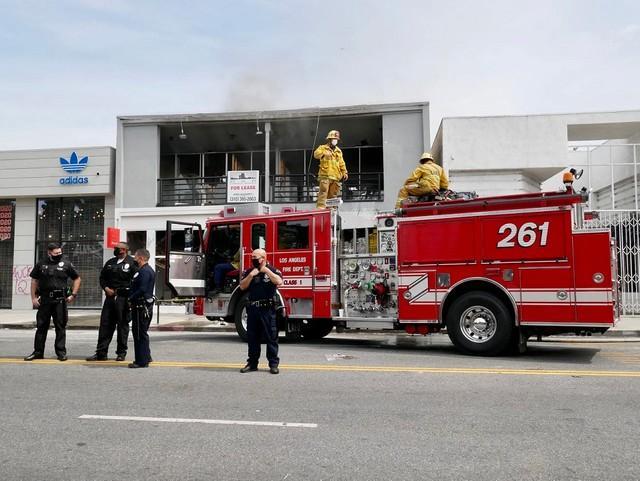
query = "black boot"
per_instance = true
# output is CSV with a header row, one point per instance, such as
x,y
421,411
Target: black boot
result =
x,y
34,355
97,357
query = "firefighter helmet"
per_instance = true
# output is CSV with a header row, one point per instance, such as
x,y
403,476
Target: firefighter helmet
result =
x,y
333,134
426,155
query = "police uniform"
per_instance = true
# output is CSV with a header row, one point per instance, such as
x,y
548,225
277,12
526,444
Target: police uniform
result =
x,y
141,300
116,274
52,280
261,317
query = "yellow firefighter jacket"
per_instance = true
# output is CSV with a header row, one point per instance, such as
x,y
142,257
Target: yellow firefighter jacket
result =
x,y
429,176
332,164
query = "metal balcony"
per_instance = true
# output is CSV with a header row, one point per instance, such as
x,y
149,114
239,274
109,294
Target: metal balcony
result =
x,y
298,188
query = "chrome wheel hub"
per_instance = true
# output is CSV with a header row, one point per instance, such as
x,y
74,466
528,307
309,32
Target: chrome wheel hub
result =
x,y
478,324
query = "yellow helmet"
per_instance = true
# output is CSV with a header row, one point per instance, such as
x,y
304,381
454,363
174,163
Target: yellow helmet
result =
x,y
426,155
333,134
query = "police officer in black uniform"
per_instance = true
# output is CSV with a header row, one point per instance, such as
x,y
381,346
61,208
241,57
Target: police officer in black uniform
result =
x,y
141,299
115,280
50,295
262,281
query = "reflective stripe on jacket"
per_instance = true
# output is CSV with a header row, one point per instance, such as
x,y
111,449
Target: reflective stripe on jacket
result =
x,y
332,164
430,176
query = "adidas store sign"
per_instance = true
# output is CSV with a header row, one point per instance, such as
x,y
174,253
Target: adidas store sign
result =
x,y
73,165
73,180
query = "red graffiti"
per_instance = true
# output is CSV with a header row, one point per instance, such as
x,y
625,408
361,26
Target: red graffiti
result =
x,y
21,280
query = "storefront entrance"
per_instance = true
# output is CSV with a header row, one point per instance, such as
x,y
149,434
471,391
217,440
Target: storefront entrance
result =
x,y
77,223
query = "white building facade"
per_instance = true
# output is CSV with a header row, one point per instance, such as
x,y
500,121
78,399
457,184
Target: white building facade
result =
x,y
54,195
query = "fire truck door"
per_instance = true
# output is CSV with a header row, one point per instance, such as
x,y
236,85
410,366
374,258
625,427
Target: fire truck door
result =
x,y
185,270
321,264
293,256
257,235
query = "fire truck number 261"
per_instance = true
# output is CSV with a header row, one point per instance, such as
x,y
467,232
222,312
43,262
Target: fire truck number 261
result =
x,y
526,235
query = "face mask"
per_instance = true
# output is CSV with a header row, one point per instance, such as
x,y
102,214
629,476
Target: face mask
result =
x,y
57,258
256,263
334,142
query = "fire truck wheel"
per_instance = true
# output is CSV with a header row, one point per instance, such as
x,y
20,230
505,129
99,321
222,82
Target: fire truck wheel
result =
x,y
480,323
240,318
317,330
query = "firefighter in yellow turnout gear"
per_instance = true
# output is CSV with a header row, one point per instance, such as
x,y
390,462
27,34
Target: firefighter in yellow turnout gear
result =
x,y
427,178
332,169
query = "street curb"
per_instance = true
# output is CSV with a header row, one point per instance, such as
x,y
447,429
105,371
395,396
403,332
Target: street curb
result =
x,y
628,334
179,328
32,325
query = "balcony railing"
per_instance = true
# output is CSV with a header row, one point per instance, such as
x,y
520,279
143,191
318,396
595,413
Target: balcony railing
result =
x,y
361,186
192,191
298,188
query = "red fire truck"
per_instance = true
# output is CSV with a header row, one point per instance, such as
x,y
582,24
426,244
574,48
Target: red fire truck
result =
x,y
493,271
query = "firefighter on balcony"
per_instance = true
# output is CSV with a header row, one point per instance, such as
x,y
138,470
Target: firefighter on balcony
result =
x,y
427,178
50,295
262,281
332,169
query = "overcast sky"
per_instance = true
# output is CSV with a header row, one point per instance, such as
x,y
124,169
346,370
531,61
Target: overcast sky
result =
x,y
68,68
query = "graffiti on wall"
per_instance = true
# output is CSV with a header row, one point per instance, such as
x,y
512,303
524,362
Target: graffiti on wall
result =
x,y
21,280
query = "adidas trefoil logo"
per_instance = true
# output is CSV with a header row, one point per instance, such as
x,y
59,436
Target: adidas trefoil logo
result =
x,y
74,165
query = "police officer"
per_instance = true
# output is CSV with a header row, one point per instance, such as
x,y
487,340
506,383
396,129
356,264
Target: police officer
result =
x,y
262,281
115,280
141,300
49,294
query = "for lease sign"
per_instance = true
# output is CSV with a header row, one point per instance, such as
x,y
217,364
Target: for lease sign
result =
x,y
243,186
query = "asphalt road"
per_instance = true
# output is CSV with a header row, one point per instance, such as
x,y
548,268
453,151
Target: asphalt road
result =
x,y
375,407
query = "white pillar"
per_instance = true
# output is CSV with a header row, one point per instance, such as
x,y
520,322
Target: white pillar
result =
x,y
267,139
23,252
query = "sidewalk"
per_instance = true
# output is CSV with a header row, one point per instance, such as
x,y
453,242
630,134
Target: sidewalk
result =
x,y
90,319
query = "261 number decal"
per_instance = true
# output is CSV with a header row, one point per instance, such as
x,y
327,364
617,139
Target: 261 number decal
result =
x,y
526,235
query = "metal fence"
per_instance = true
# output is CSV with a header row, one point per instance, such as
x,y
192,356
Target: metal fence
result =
x,y
611,174
298,188
192,191
625,229
360,187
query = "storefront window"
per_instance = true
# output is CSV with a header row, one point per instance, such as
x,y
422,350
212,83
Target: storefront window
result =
x,y
7,223
77,223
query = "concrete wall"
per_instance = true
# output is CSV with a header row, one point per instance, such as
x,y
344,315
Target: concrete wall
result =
x,y
405,136
493,182
25,172
137,165
23,251
536,146
503,143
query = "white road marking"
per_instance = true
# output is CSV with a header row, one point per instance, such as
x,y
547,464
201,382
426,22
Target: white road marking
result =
x,y
200,421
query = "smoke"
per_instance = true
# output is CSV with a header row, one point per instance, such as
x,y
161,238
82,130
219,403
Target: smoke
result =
x,y
250,91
